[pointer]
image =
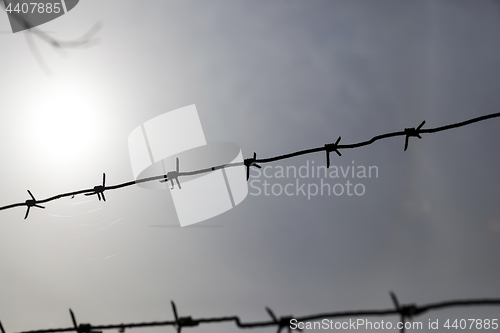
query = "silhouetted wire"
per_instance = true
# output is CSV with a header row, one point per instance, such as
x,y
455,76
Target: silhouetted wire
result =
x,y
405,312
254,161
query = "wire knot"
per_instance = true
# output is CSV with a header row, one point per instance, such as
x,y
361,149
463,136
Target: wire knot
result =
x,y
99,189
182,321
31,203
187,322
251,162
171,175
413,132
406,311
330,147
282,322
82,328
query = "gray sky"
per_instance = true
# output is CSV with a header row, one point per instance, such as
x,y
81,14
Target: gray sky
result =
x,y
273,77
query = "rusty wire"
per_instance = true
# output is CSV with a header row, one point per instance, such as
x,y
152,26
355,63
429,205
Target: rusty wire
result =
x,y
249,162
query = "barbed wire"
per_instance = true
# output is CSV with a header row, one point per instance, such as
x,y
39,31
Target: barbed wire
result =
x,y
406,312
248,163
86,39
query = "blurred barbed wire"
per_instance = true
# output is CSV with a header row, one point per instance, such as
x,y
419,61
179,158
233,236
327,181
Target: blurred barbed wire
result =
x,y
406,312
87,39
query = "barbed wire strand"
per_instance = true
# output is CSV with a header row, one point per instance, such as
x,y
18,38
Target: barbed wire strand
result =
x,y
85,40
250,162
406,312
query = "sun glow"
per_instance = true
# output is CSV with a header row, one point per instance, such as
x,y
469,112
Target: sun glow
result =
x,y
64,125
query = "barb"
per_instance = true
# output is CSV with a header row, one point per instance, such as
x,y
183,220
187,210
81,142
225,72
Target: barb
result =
x,y
413,132
182,321
173,175
406,311
329,147
99,189
254,162
250,162
82,328
86,39
282,322
31,203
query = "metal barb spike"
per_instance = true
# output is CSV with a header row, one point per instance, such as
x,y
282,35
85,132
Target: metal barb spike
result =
x,y
99,189
330,147
271,313
395,300
412,132
73,319
173,175
174,309
250,162
31,203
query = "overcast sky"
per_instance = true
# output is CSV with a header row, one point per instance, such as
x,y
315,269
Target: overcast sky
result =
x,y
273,77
